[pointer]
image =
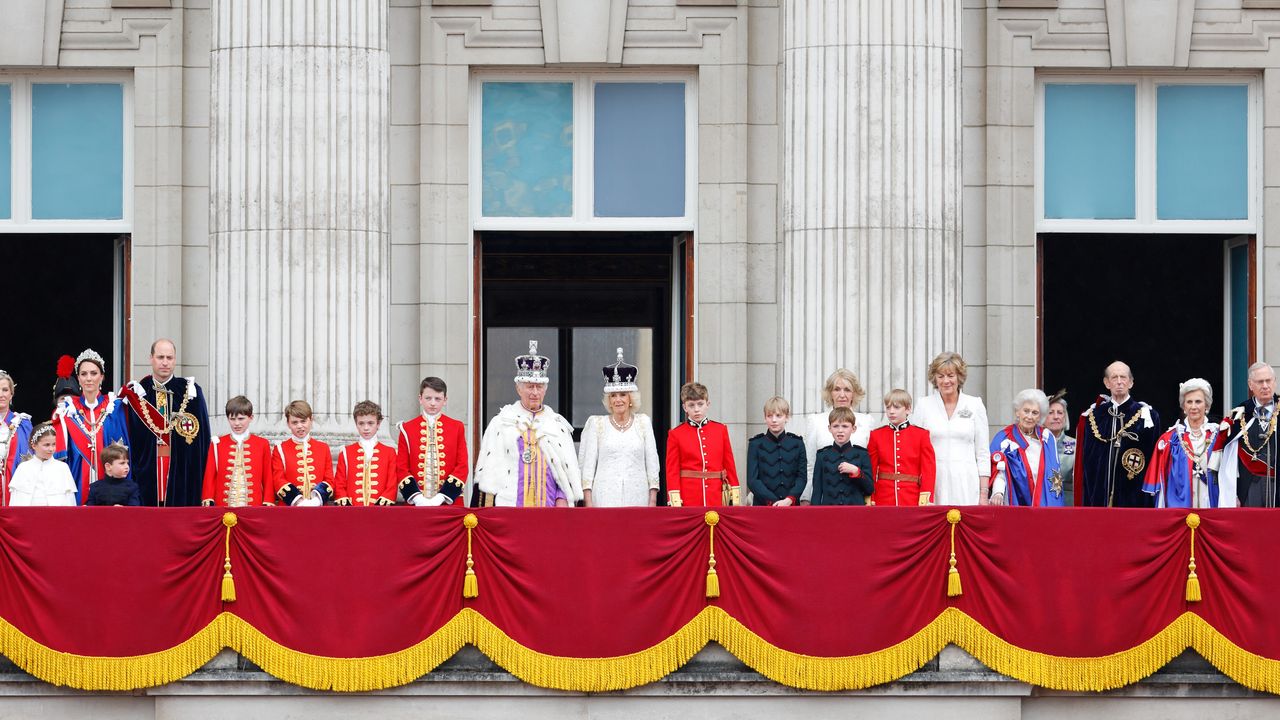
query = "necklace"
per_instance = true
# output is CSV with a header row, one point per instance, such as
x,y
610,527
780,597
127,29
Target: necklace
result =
x,y
622,427
168,421
1115,439
1271,429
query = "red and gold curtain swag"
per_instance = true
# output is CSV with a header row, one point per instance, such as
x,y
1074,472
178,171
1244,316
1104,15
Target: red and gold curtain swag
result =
x,y
357,599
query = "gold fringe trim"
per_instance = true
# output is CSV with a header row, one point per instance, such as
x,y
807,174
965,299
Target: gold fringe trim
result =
x,y
88,672
606,674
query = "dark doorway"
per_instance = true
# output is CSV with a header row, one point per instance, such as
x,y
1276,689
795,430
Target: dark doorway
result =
x,y
1153,301
67,293
581,296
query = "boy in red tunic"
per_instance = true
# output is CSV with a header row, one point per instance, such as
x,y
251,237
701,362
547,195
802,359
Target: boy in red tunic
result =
x,y
238,471
366,468
700,465
431,451
301,468
901,456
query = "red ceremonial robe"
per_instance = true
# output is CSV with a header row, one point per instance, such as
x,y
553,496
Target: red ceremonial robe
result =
x,y
699,463
432,458
238,474
903,465
365,482
300,466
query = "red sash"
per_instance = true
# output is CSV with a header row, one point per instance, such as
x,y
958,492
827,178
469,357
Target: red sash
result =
x,y
1033,483
6,472
148,412
78,436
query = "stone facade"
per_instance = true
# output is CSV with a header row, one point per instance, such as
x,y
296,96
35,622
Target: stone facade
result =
x,y
774,198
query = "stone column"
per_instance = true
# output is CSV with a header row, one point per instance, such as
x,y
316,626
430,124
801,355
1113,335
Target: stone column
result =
x,y
299,239
872,193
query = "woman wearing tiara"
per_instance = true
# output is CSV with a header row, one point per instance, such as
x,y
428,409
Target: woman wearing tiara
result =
x,y
15,433
88,423
618,454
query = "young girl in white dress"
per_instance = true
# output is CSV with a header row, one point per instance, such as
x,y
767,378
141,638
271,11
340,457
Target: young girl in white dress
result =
x,y
41,480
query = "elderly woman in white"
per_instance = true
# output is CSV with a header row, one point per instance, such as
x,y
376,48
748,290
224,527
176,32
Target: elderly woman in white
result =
x,y
957,425
842,389
1024,457
618,454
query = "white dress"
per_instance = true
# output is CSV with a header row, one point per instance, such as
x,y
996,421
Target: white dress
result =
x,y
618,467
961,446
817,435
42,482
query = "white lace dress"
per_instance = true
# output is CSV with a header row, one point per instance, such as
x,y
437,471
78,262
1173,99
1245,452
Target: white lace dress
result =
x,y
618,467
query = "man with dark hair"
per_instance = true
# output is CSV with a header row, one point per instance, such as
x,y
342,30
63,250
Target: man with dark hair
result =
x,y
169,429
431,451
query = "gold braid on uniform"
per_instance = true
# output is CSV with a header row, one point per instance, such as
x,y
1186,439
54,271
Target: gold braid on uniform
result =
x,y
1093,425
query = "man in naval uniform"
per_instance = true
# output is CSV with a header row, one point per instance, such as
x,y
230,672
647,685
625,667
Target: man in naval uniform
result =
x,y
527,458
1249,459
169,429
1114,439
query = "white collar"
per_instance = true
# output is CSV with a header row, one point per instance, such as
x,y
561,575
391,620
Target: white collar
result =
x,y
301,441
431,419
368,445
1118,403
240,438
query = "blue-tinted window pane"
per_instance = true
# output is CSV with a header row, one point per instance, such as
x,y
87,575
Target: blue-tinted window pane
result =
x,y
527,149
6,155
1202,152
639,150
77,151
1088,151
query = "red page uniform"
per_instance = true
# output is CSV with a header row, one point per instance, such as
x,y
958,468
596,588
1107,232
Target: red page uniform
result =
x,y
700,464
238,473
366,474
431,458
903,464
300,468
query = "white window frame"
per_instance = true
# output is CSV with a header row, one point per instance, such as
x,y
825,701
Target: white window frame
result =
x,y
20,154
583,212
1145,220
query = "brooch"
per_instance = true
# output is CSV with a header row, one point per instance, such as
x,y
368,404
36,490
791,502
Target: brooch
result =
x,y
1055,483
965,413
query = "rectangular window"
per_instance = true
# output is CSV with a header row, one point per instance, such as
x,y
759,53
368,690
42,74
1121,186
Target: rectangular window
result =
x,y
639,149
527,146
6,152
77,151
1202,152
609,150
1089,151
1157,153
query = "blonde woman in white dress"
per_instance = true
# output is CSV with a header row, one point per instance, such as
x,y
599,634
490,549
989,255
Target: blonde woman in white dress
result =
x,y
618,454
40,480
842,389
957,425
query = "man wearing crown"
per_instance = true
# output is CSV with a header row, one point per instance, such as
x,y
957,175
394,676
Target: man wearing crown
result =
x,y
169,424
527,457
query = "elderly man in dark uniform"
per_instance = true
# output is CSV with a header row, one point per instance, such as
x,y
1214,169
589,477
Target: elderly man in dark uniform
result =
x,y
1249,459
169,429
1114,439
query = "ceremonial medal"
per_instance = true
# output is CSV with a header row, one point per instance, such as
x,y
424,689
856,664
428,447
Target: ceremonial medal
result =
x,y
1055,483
527,456
1133,461
186,425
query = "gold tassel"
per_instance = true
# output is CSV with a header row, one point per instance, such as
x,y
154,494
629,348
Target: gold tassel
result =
x,y
228,582
1193,582
470,583
713,580
953,575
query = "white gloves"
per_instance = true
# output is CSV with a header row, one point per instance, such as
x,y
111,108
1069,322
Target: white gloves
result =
x,y
314,501
436,500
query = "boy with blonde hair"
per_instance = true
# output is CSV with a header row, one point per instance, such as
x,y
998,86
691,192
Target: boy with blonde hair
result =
x,y
776,467
700,467
901,456
302,467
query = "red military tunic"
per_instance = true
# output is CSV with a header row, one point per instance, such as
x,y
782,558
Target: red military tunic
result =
x,y
699,463
365,481
902,464
238,474
296,464
432,458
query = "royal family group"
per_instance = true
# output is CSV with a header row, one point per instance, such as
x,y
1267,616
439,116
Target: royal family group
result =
x,y
150,444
